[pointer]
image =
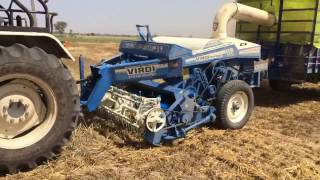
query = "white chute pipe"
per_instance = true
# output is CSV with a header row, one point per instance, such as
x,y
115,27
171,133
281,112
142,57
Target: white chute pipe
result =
x,y
240,12
227,12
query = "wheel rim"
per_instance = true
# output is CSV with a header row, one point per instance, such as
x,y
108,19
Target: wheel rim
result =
x,y
156,120
28,111
238,106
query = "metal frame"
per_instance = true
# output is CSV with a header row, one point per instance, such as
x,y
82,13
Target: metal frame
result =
x,y
144,36
309,60
29,21
281,10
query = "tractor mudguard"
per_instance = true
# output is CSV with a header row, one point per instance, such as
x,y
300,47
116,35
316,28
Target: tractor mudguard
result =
x,y
49,43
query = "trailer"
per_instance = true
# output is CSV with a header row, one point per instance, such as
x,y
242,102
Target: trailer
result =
x,y
292,45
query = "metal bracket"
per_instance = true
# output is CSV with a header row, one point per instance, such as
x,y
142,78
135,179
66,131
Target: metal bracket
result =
x,y
144,35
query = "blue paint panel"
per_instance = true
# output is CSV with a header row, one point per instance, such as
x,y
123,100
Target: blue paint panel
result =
x,y
102,85
152,49
151,69
223,53
115,74
81,67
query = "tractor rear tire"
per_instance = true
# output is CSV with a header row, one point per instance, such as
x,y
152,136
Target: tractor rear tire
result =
x,y
282,86
235,104
39,108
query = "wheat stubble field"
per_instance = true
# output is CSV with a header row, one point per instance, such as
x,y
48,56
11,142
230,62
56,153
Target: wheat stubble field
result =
x,y
281,141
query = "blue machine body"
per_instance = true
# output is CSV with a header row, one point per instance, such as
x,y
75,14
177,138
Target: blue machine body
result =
x,y
187,79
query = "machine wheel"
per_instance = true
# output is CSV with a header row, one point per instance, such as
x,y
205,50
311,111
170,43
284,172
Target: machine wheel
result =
x,y
277,85
39,107
235,104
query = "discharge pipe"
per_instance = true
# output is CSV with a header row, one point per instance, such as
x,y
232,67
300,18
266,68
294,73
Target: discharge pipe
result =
x,y
239,12
231,10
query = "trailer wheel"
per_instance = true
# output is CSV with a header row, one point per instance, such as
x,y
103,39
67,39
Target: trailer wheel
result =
x,y
39,107
278,85
235,103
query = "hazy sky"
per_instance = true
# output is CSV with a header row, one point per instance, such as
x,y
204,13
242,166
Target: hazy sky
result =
x,y
165,17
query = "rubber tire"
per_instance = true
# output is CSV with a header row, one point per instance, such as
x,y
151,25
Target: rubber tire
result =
x,y
277,85
224,96
36,62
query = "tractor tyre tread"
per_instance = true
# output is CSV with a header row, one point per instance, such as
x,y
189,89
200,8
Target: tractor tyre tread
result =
x,y
36,62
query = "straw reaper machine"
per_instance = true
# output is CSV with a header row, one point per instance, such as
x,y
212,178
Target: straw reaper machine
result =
x,y
164,87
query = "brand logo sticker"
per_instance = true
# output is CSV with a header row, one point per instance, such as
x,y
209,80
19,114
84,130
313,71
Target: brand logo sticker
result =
x,y
142,71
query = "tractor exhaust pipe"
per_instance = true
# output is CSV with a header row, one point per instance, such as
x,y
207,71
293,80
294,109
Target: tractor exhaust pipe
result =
x,y
240,12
